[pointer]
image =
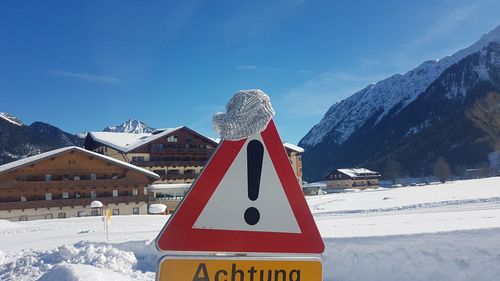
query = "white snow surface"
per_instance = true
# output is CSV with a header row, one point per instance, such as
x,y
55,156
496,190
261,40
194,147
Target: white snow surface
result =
x,y
438,232
391,94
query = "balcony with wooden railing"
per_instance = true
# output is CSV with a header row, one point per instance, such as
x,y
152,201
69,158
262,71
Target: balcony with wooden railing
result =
x,y
70,202
168,163
77,183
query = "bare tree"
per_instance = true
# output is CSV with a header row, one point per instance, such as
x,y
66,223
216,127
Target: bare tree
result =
x,y
442,169
392,170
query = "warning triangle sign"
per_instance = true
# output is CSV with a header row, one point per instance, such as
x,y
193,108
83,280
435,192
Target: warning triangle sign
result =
x,y
246,200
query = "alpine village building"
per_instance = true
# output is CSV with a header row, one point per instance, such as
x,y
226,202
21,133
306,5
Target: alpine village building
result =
x,y
177,155
62,183
355,178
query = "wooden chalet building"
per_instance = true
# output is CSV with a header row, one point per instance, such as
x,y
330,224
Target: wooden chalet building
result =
x,y
63,182
357,178
177,155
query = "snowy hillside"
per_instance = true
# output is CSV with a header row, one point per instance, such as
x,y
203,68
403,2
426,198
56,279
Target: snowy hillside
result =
x,y
130,126
437,232
387,96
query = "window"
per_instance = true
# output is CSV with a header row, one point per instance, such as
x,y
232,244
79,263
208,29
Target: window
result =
x,y
138,158
23,198
159,172
115,192
114,176
135,192
93,176
172,138
76,178
66,177
77,194
93,194
173,172
65,195
61,215
48,177
23,218
49,216
48,196
135,211
116,212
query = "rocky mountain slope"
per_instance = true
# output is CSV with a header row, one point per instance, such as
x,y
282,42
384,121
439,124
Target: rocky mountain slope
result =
x,y
130,126
19,141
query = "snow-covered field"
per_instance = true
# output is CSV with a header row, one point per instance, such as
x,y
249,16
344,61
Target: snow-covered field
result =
x,y
439,232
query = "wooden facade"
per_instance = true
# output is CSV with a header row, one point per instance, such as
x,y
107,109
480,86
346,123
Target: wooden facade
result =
x,y
176,155
62,183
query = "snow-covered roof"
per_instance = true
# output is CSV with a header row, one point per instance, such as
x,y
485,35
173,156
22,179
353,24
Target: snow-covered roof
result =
x,y
358,172
126,141
293,147
52,153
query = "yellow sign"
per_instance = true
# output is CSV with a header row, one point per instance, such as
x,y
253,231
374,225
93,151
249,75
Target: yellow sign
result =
x,y
178,268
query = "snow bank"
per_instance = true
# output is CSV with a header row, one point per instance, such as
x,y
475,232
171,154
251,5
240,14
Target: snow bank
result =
x,y
457,256
8,225
80,272
134,259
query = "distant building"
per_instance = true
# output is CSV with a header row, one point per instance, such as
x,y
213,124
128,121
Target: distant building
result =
x,y
358,178
177,155
63,182
295,155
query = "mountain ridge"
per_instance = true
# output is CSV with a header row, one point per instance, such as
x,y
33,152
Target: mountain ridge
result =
x,y
389,95
374,136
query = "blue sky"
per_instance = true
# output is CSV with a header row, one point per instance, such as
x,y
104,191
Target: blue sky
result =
x,y
85,65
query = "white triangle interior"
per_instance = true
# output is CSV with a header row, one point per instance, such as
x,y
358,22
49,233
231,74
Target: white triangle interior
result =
x,y
225,209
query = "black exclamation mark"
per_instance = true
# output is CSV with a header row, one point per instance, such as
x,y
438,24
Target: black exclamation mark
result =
x,y
255,154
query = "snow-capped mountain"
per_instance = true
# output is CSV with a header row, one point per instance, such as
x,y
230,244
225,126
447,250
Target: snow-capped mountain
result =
x,y
389,96
388,120
130,126
10,118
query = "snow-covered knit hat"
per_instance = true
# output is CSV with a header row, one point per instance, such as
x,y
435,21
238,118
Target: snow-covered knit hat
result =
x,y
247,113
